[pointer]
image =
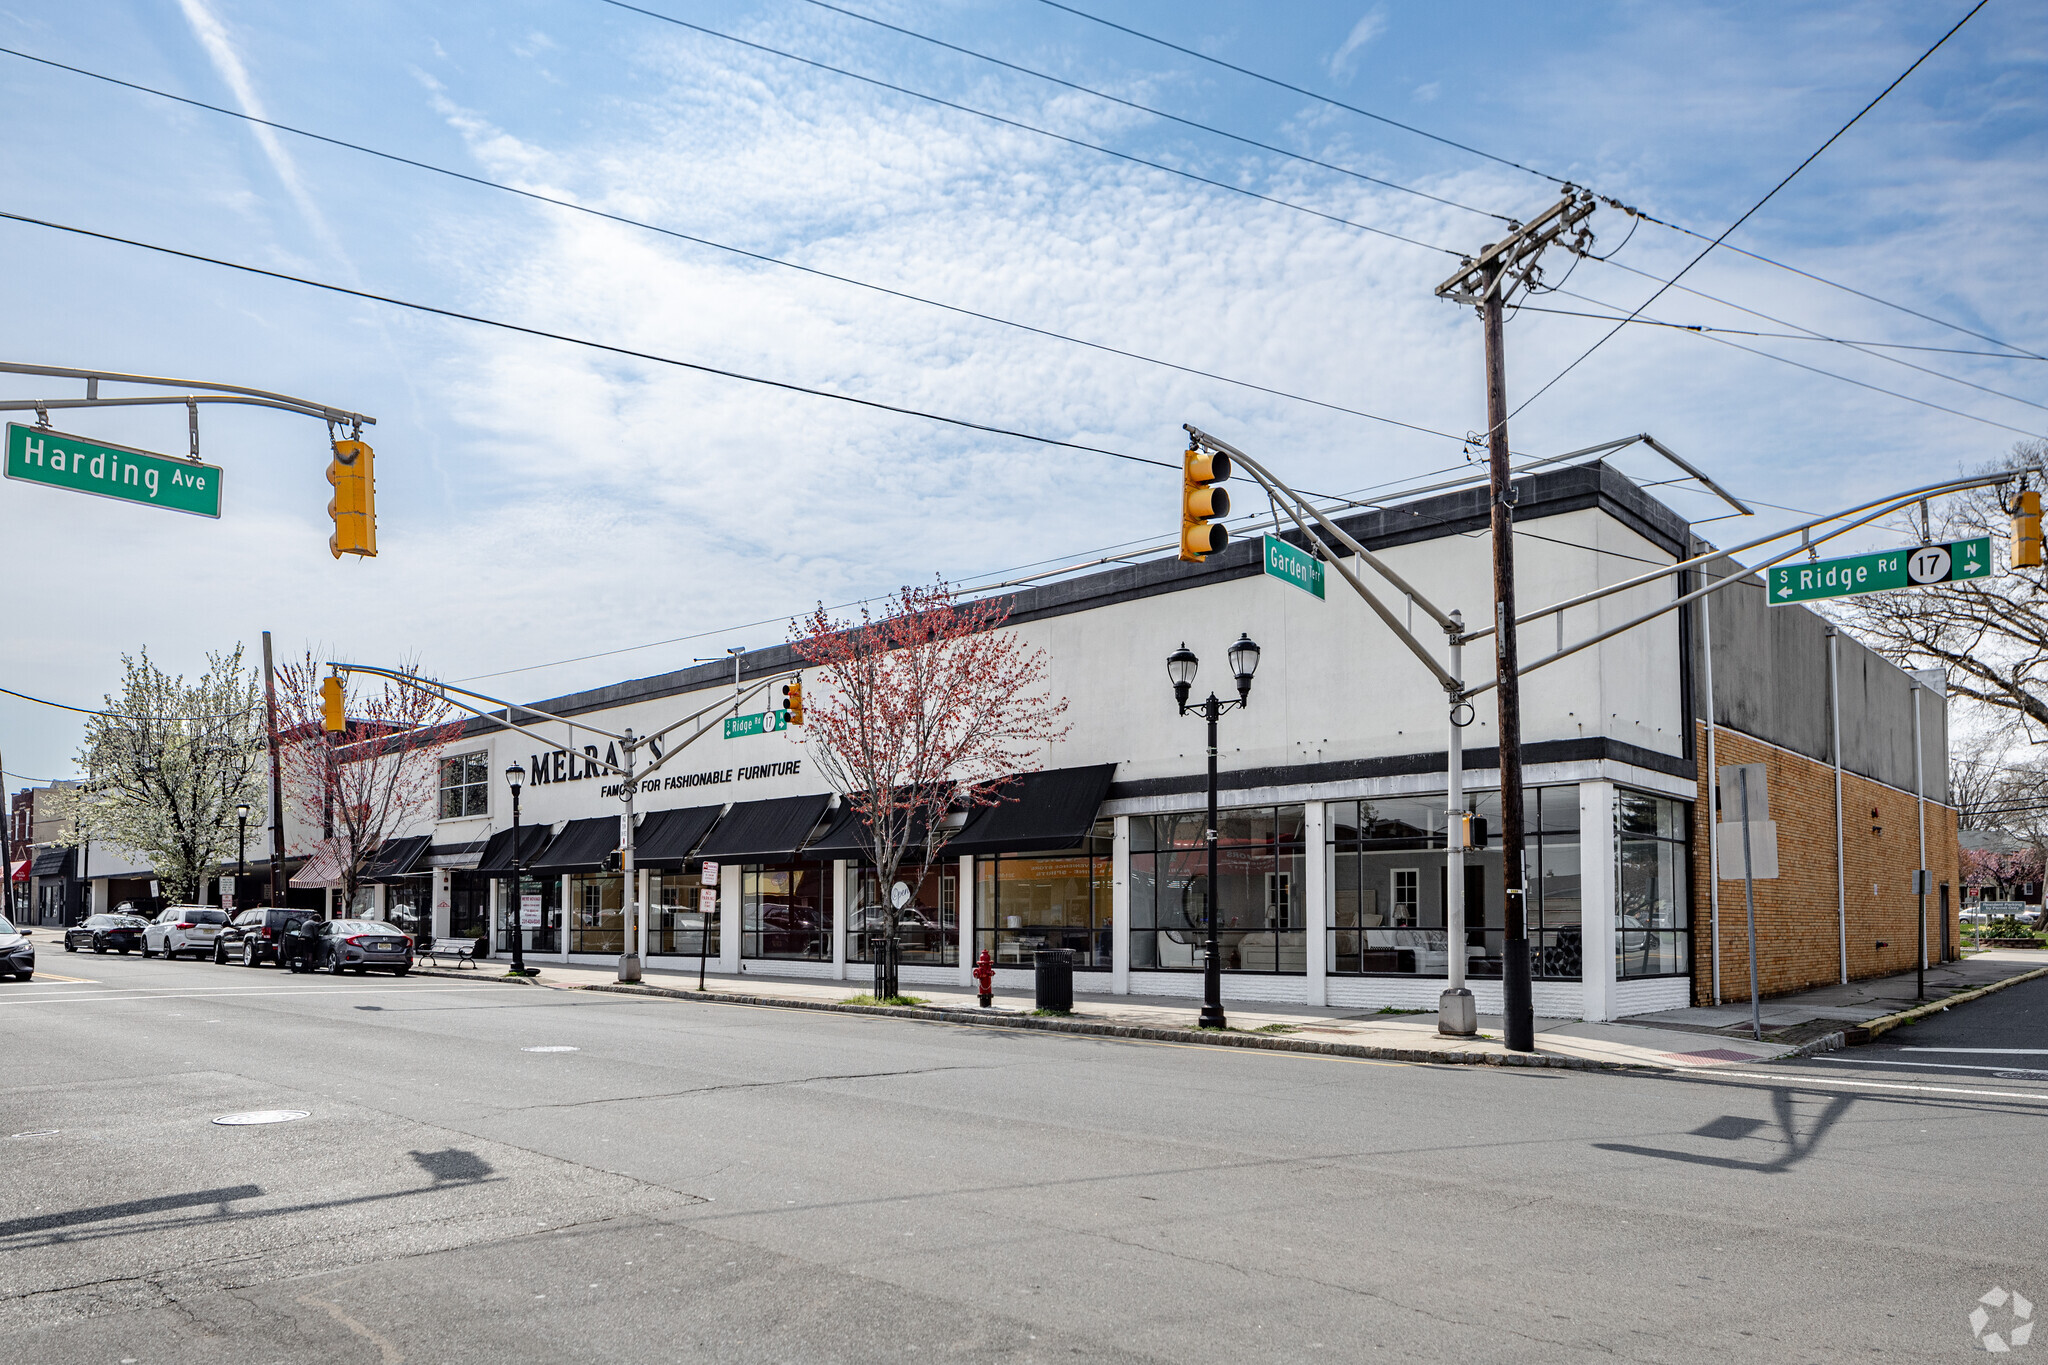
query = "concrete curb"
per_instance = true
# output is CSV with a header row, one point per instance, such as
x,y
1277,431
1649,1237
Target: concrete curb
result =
x,y
1872,1029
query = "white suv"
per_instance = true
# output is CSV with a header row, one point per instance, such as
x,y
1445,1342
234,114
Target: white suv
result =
x,y
183,929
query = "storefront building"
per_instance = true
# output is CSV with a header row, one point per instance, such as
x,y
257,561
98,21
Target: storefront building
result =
x,y
1331,880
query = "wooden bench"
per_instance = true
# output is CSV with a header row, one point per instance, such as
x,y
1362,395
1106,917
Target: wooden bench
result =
x,y
440,951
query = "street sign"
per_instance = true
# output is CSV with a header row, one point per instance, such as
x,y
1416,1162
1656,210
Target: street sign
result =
x,y
1953,562
760,723
52,458
1296,566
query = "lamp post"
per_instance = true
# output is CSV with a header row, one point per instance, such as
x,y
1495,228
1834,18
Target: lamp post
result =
x,y
515,778
241,848
1181,666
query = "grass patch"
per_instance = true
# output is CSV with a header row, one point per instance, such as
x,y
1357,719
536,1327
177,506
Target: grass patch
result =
x,y
892,1000
1389,1009
1053,1014
1274,1028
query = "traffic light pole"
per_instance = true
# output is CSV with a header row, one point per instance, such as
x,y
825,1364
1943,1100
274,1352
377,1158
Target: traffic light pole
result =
x,y
630,775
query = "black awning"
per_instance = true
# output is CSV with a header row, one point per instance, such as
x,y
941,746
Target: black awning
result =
x,y
846,836
395,858
764,831
497,857
1039,812
582,846
51,862
667,837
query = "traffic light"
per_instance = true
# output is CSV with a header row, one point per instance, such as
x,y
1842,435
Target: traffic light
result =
x,y
793,701
1476,831
354,505
1203,504
2026,530
332,717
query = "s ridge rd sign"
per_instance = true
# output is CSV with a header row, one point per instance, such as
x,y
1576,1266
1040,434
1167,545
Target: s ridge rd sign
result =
x,y
1918,566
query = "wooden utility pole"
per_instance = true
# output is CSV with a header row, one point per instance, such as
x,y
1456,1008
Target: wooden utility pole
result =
x,y
1501,268
276,777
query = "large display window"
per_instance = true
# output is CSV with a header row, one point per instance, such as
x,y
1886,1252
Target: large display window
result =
x,y
1031,902
785,913
1653,919
927,929
546,894
597,914
1260,865
683,915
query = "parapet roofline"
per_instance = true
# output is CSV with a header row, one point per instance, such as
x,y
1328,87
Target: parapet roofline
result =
x,y
1549,493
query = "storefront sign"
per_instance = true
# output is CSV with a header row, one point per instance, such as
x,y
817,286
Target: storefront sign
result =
x,y
529,912
760,723
1923,564
57,460
1295,566
753,772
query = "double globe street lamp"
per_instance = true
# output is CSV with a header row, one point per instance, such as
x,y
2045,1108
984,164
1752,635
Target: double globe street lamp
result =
x,y
515,778
1181,666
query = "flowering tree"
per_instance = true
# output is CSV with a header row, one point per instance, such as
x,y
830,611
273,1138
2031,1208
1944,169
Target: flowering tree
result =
x,y
166,764
920,711
2001,870
364,785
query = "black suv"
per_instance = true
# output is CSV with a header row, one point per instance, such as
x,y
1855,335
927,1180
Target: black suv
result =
x,y
253,937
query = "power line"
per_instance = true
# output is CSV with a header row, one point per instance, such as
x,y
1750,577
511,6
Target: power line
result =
x,y
783,384
1748,213
1745,332
1156,113
1632,211
880,84
115,715
761,257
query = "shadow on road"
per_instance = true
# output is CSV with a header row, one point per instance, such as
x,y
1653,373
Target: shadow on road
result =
x,y
1793,1146
161,1204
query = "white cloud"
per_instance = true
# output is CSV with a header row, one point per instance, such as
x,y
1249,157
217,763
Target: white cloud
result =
x,y
1370,25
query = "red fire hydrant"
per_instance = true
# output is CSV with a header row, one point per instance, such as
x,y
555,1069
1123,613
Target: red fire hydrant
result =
x,y
985,976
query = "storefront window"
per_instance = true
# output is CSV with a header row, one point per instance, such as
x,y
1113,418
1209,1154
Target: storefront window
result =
x,y
684,915
1259,868
545,895
409,903
465,786
1653,918
927,929
469,904
1391,886
597,915
1031,902
784,913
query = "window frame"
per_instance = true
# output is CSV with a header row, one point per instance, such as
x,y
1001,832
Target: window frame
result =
x,y
472,790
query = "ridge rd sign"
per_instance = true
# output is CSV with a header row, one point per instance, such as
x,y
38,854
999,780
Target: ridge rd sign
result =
x,y
57,460
1921,565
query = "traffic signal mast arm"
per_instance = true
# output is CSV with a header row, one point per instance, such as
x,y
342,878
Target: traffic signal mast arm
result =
x,y
1871,511
1295,506
199,391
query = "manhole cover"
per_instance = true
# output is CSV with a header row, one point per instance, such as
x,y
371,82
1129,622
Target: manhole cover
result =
x,y
551,1049
260,1116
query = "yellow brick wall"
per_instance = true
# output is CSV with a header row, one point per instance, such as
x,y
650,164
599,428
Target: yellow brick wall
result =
x,y
1796,927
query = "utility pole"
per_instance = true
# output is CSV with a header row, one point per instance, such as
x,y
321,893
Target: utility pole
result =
x,y
1501,268
276,777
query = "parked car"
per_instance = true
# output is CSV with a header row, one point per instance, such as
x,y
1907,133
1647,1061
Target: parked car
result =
x,y
254,936
17,954
183,929
359,944
104,932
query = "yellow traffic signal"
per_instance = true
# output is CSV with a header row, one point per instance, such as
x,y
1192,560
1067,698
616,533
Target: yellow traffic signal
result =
x,y
2026,530
793,701
354,505
1203,504
332,717
1473,831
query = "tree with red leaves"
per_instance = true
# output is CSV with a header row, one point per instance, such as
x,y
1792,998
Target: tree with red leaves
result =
x,y
363,786
918,712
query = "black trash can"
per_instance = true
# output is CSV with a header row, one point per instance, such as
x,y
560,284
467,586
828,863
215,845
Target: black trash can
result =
x,y
1056,980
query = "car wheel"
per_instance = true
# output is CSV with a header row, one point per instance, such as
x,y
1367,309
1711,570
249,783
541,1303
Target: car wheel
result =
x,y
334,967
70,944
248,953
220,955
99,945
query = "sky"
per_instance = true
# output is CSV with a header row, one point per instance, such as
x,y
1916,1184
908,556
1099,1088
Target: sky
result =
x,y
540,502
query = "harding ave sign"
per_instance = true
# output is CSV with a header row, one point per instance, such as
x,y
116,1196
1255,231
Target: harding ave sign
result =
x,y
52,458
1921,565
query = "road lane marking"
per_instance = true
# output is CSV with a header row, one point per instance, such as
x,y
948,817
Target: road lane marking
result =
x,y
1986,1051
1950,1066
1871,1085
244,993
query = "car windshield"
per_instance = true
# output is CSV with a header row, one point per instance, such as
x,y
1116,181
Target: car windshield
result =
x,y
7,926
362,926
127,921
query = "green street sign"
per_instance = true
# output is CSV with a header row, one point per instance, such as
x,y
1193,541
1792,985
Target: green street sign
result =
x,y
1296,566
52,458
760,723
1916,567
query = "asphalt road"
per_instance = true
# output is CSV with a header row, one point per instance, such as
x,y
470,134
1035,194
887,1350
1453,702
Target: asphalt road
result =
x,y
722,1183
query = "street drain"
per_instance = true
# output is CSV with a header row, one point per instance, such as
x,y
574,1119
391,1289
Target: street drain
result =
x,y
551,1049
260,1116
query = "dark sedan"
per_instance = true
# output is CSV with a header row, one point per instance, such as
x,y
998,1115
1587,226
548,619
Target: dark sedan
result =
x,y
104,933
17,954
361,944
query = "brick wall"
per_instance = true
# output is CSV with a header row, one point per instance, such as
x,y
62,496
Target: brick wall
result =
x,y
1796,928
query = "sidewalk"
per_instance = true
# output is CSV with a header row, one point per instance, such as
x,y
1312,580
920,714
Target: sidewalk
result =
x,y
1806,1015
1293,1028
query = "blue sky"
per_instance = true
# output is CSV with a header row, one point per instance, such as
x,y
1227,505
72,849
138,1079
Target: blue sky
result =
x,y
539,501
